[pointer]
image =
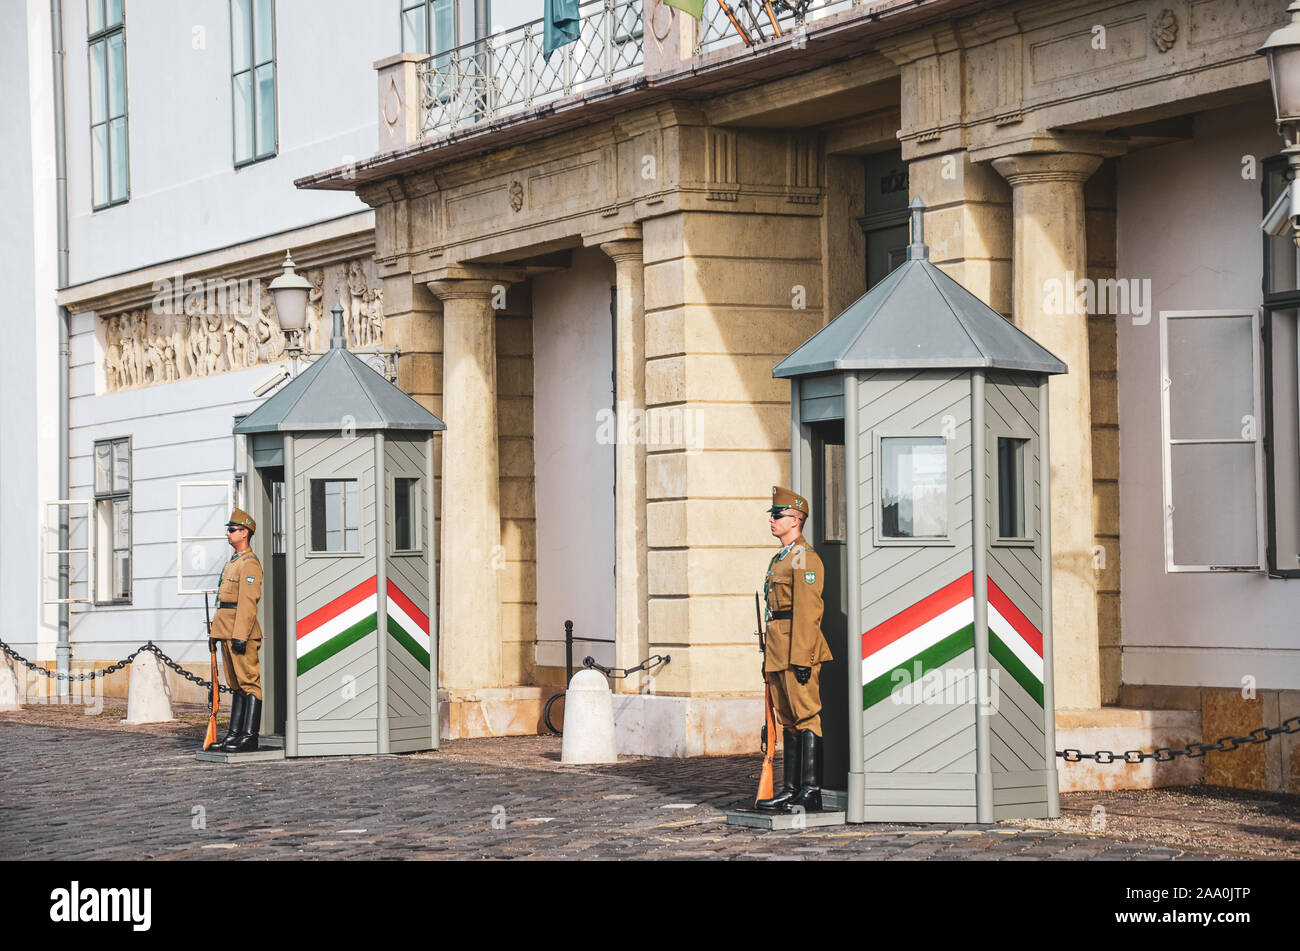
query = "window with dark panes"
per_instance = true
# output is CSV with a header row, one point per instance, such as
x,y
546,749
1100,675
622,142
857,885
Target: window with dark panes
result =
x,y
913,487
1281,386
106,42
252,66
1012,484
112,462
406,514
334,514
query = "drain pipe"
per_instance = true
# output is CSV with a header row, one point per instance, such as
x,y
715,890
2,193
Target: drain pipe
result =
x,y
63,651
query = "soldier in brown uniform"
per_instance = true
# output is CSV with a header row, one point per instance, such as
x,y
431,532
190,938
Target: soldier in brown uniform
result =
x,y
235,626
795,651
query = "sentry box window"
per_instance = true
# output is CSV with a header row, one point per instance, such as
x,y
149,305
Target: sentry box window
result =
x,y
406,514
334,512
913,488
1015,506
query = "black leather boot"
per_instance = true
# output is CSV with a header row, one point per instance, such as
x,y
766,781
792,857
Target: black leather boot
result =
x,y
246,742
236,717
789,778
809,796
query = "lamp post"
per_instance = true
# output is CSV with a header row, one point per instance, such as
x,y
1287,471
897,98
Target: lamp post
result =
x,y
289,291
1282,50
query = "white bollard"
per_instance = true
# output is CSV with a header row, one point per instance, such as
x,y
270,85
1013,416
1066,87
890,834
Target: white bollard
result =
x,y
149,698
588,720
11,694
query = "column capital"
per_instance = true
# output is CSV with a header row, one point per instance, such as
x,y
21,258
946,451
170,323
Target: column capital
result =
x,y
1035,167
625,250
1049,156
470,281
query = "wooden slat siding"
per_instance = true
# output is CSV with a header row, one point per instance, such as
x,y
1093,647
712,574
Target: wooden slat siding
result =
x,y
405,458
324,687
1020,795
355,659
406,696
901,780
1018,722
1026,777
408,723
1014,569
1021,812
411,674
826,407
345,712
318,730
828,385
1007,738
922,726
340,749
886,722
919,813
412,744
914,574
942,755
953,722
955,798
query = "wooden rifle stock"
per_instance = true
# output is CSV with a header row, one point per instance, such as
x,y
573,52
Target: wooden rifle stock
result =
x,y
765,783
211,736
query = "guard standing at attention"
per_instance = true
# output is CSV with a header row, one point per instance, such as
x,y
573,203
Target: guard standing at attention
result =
x,y
795,651
235,625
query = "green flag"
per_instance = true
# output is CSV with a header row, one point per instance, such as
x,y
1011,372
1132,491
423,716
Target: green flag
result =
x,y
560,26
694,7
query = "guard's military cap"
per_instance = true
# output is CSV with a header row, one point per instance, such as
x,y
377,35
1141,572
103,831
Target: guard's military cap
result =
x,y
783,498
241,519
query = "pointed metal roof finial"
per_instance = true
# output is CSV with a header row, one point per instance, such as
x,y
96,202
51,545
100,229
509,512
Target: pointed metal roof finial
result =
x,y
918,250
338,341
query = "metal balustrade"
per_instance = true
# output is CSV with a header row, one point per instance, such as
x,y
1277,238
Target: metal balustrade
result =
x,y
506,71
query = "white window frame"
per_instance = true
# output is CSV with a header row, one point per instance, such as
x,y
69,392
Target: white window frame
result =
x,y
357,552
182,539
417,533
51,529
1167,443
272,149
880,540
1026,475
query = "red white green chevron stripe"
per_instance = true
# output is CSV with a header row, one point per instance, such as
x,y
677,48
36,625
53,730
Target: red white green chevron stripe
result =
x,y
408,624
924,637
339,624
1015,643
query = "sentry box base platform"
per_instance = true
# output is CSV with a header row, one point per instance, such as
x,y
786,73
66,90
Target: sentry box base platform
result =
x,y
236,759
780,821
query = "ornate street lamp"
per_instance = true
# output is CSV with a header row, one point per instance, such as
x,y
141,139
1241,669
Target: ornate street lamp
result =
x,y
1282,49
289,291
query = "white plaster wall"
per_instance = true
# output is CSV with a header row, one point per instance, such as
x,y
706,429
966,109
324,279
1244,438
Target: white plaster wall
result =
x,y
29,357
1189,221
186,196
572,383
179,431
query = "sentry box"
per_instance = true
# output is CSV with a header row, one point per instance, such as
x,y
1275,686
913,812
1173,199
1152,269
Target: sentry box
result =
x,y
919,430
339,476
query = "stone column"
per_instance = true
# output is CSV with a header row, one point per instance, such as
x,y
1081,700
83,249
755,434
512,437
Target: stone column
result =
x,y
471,556
632,640
1050,245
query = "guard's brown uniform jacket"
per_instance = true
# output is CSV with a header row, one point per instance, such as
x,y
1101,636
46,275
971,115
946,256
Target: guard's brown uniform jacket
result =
x,y
236,619
795,578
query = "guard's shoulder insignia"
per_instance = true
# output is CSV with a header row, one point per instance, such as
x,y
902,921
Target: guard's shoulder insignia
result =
x,y
250,579
810,576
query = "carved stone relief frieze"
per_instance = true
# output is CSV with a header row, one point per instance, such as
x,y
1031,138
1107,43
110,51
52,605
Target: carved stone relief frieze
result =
x,y
196,328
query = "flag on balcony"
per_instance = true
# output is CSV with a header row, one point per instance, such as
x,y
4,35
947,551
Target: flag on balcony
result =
x,y
561,25
694,7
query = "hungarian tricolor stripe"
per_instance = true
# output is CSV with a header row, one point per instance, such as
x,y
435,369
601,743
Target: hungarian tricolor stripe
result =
x,y
1015,643
924,637
408,624
339,624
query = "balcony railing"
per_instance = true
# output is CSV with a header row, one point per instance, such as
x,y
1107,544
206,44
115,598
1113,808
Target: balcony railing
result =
x,y
506,72
716,31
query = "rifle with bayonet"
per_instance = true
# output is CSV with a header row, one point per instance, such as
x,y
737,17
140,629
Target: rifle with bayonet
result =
x,y
768,735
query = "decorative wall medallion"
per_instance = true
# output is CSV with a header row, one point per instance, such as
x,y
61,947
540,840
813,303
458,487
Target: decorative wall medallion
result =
x,y
663,14
392,103
1165,30
516,195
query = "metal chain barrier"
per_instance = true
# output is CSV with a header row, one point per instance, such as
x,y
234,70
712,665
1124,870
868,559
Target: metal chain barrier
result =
x,y
617,673
112,668
1165,754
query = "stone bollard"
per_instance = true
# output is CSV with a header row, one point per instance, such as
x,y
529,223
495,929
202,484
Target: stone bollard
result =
x,y
149,698
588,720
11,693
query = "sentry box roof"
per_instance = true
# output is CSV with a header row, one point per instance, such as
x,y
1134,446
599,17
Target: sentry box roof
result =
x,y
336,386
918,317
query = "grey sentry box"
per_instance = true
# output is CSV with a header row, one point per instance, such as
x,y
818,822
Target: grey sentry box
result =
x,y
939,704
340,479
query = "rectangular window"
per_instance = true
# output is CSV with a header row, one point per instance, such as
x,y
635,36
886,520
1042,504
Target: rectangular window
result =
x,y
429,26
252,67
1013,485
913,482
106,42
1213,453
834,513
112,461
1281,360
406,514
334,515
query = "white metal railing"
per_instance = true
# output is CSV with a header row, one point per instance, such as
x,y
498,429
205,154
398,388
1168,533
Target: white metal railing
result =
x,y
506,72
716,30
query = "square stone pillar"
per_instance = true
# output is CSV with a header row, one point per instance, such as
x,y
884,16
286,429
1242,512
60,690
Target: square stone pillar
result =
x,y
631,598
401,113
472,557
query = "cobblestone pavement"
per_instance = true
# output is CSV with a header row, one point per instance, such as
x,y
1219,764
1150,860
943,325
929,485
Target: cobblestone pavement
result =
x,y
89,788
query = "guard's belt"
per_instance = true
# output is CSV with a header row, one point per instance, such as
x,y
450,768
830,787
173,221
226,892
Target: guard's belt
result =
x,y
227,604
783,615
